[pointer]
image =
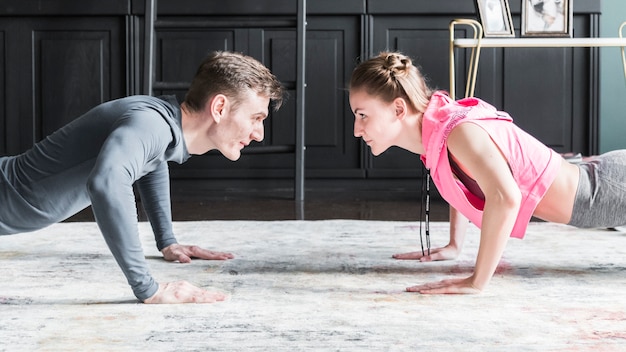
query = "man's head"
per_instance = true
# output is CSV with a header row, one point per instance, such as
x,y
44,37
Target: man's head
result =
x,y
232,74
230,96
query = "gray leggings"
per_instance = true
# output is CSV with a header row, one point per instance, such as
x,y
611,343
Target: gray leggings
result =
x,y
601,195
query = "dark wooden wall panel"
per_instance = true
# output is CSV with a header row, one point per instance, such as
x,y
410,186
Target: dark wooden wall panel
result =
x,y
3,90
72,74
279,48
180,52
332,46
537,93
57,68
323,128
58,58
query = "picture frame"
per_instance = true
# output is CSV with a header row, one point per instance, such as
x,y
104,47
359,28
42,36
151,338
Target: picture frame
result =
x,y
547,18
495,18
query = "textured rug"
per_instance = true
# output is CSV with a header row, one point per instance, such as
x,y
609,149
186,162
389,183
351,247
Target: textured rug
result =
x,y
315,286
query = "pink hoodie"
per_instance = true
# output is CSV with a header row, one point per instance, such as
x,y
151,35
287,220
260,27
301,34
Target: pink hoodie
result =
x,y
533,165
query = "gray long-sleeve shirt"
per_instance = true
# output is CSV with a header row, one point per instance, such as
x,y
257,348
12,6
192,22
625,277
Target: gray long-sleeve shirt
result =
x,y
95,160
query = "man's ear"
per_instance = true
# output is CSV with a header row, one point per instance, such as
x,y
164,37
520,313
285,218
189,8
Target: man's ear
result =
x,y
217,107
401,109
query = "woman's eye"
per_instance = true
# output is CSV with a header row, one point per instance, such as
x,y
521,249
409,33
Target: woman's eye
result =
x,y
362,116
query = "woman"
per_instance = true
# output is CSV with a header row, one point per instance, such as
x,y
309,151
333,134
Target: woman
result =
x,y
488,170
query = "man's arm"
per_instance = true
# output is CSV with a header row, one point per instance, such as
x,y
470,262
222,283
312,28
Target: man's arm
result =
x,y
154,190
120,163
110,188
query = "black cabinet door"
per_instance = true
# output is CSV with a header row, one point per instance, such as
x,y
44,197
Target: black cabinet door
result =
x,y
549,92
58,68
333,44
5,130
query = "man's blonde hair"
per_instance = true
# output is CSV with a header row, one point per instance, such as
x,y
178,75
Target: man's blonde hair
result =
x,y
231,74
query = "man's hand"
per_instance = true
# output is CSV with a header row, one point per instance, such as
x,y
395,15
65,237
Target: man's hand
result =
x,y
183,292
458,286
184,254
448,252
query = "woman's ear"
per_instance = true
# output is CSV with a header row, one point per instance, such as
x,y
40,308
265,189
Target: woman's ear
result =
x,y
217,107
400,107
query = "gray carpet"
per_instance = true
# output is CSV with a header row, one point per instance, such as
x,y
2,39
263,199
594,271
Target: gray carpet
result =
x,y
315,286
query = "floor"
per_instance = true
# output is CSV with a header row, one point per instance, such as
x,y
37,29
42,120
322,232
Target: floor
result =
x,y
323,285
313,276
393,200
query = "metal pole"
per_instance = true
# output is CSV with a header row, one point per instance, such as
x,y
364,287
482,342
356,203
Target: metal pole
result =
x,y
148,68
300,110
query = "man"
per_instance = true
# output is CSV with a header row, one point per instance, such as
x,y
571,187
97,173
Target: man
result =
x,y
96,159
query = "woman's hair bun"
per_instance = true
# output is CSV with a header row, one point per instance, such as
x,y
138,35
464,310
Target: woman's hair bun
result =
x,y
397,64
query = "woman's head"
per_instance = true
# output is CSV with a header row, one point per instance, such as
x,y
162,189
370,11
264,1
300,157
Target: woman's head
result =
x,y
389,76
232,74
388,94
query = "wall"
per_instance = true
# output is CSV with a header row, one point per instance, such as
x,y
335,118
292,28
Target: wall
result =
x,y
612,80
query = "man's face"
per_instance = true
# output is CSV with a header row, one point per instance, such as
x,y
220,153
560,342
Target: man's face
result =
x,y
242,125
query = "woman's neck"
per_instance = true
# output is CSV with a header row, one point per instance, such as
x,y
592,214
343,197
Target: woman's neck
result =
x,y
411,138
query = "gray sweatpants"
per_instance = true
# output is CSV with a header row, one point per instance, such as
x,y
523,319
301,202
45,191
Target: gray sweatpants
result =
x,y
601,195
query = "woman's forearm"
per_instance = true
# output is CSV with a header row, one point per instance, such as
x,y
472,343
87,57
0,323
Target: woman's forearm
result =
x,y
498,220
458,228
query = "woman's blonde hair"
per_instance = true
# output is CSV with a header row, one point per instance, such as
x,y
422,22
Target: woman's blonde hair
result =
x,y
392,75
231,73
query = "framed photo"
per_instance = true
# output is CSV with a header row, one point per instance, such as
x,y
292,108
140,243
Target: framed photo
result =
x,y
495,17
547,18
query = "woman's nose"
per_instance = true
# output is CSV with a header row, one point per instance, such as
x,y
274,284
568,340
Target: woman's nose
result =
x,y
358,128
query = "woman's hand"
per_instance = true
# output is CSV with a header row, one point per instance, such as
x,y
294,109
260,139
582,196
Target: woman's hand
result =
x,y
455,286
448,252
184,254
183,292
458,227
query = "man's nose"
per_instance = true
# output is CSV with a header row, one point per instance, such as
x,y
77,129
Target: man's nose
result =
x,y
258,133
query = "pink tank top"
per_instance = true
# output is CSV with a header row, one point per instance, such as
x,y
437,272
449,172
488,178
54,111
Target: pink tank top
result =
x,y
534,166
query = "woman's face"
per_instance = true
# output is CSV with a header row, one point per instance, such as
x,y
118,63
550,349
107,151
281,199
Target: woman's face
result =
x,y
374,120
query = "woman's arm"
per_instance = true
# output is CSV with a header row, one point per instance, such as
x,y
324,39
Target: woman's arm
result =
x,y
458,226
481,159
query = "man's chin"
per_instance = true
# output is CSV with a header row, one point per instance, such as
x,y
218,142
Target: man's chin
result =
x,y
232,156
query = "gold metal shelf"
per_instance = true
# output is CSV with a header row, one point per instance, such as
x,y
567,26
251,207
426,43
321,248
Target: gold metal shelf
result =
x,y
478,42
539,42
